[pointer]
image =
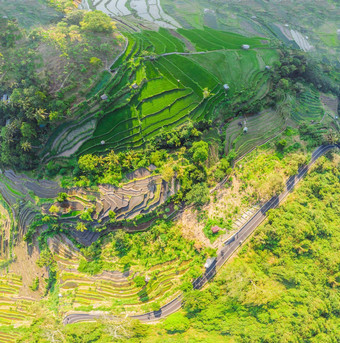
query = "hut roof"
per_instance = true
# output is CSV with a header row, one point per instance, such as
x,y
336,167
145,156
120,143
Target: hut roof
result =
x,y
215,229
104,97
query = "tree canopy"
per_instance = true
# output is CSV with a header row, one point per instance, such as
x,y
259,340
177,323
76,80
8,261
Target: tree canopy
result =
x,y
97,21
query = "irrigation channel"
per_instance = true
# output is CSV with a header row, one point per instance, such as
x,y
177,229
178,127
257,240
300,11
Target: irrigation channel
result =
x,y
229,247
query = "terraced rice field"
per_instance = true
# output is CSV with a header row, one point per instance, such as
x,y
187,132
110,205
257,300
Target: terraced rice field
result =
x,y
18,187
143,194
8,335
308,107
301,41
112,287
150,10
158,84
108,288
209,39
261,127
239,69
14,310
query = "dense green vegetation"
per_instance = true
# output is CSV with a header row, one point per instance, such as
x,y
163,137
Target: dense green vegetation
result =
x,y
124,138
284,285
43,72
209,39
151,91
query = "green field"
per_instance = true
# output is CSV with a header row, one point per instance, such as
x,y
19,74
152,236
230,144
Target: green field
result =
x,y
307,107
319,20
13,308
261,127
209,39
28,12
157,84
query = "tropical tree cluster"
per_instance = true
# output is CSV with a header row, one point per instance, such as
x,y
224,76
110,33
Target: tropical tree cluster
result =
x,y
41,74
176,154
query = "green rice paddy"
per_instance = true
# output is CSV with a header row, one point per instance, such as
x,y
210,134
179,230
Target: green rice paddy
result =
x,y
157,84
261,127
308,107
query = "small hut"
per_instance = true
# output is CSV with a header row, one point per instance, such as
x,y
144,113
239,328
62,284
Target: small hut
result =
x,y
215,229
245,130
134,86
268,67
245,47
226,87
102,142
104,97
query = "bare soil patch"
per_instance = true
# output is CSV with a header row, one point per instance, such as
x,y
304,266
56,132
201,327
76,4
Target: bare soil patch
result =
x,y
5,231
25,265
186,42
330,102
228,202
140,173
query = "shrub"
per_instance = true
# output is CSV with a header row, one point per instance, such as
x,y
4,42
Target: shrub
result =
x,y
281,144
176,322
61,197
139,281
155,306
97,21
35,285
90,267
54,209
198,195
81,227
200,151
86,215
112,215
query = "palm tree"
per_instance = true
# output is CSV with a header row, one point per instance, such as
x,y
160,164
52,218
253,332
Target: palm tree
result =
x,y
112,159
331,136
26,146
